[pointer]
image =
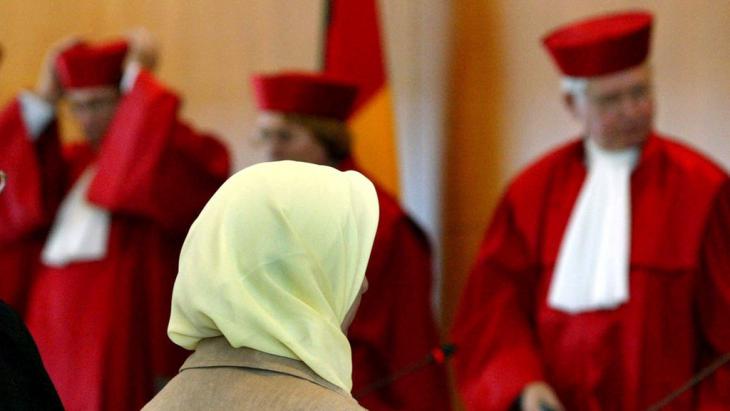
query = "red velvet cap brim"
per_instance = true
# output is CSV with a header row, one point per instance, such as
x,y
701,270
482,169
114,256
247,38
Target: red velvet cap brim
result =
x,y
601,45
304,93
89,66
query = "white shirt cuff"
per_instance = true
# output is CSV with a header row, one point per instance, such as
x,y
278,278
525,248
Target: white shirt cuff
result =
x,y
37,113
131,72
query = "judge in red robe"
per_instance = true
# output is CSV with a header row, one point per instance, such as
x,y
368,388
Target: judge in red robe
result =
x,y
24,382
94,228
603,282
303,118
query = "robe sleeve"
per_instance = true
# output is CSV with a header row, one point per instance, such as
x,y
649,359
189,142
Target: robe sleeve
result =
x,y
714,303
35,176
413,330
493,327
36,182
150,164
394,327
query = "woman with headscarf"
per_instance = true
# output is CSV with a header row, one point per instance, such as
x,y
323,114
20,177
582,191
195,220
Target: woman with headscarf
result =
x,y
270,275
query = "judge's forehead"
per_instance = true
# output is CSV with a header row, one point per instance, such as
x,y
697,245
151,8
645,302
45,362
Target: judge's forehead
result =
x,y
270,119
623,78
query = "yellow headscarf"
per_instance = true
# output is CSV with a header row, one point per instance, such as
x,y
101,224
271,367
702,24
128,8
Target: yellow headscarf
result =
x,y
275,261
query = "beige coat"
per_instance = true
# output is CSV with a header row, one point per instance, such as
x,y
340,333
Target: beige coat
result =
x,y
219,377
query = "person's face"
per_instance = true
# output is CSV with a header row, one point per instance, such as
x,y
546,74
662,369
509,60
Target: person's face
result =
x,y
93,108
617,110
285,140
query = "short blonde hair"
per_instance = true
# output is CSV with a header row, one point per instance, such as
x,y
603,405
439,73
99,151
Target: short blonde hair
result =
x,y
575,86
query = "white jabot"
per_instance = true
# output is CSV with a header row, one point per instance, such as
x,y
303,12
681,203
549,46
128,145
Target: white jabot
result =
x,y
80,231
592,267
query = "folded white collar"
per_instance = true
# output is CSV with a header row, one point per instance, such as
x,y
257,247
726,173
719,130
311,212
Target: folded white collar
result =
x,y
592,267
80,230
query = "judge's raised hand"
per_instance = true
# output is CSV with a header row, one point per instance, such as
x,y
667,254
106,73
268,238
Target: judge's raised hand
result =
x,y
48,86
538,396
143,48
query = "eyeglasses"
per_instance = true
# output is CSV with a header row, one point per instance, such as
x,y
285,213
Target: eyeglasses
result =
x,y
610,102
93,104
281,135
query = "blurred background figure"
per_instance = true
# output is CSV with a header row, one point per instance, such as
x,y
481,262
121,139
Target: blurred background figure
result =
x,y
270,277
602,282
94,228
302,117
24,382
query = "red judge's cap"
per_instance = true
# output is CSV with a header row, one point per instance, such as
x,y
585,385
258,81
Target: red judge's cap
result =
x,y
304,93
601,45
83,65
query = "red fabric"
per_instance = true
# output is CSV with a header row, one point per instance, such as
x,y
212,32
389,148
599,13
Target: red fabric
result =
x,y
353,48
394,326
601,45
101,326
83,65
624,359
305,93
35,184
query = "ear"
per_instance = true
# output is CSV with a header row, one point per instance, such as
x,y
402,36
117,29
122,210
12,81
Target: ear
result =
x,y
569,100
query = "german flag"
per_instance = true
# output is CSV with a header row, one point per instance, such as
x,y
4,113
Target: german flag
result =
x,y
353,51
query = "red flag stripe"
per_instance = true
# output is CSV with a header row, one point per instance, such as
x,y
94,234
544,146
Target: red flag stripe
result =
x,y
353,48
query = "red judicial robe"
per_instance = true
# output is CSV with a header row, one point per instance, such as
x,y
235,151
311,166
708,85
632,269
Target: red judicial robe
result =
x,y
394,325
34,189
677,317
101,325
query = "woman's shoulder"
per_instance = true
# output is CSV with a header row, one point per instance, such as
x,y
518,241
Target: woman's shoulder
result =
x,y
242,388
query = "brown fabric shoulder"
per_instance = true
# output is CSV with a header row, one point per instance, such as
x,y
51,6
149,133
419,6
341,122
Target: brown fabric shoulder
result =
x,y
219,377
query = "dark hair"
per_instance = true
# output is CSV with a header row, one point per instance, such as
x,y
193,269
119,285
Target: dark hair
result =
x,y
333,134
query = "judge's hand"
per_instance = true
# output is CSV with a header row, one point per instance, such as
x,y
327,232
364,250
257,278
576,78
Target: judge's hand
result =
x,y
539,393
143,48
48,86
